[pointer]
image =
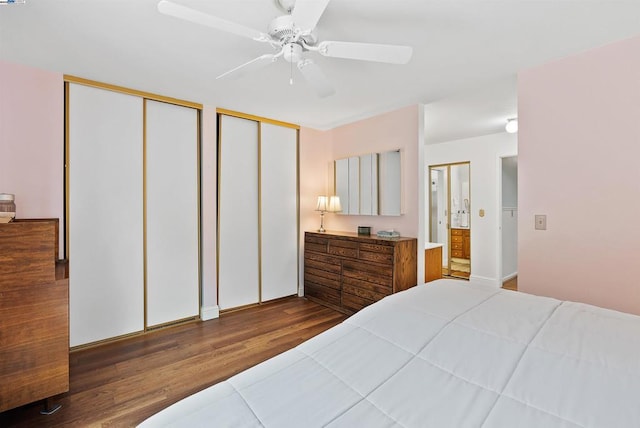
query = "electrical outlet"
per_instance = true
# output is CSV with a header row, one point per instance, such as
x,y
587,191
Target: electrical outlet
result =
x,y
541,222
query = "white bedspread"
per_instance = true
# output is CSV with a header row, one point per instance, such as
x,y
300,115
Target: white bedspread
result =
x,y
447,354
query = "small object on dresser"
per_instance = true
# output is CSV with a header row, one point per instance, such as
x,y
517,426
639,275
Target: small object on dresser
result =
x,y
7,207
388,234
364,230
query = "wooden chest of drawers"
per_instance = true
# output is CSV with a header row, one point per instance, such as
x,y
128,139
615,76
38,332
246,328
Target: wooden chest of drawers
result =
x,y
460,243
347,271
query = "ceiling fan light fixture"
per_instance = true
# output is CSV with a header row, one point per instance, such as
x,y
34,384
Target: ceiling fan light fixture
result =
x,y
292,52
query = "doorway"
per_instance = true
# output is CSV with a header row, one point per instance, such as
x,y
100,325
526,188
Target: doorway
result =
x,y
508,239
449,216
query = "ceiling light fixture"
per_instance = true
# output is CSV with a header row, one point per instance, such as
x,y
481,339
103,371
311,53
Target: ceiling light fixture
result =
x,y
512,125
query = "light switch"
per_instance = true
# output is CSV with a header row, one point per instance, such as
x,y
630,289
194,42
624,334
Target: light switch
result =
x,y
541,222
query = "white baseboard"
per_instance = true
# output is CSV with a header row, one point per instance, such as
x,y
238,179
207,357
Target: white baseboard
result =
x,y
209,312
510,276
493,282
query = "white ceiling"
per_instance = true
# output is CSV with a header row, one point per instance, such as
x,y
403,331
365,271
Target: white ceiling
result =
x,y
466,53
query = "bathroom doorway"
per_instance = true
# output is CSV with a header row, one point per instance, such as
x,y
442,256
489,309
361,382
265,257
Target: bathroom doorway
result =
x,y
508,231
449,216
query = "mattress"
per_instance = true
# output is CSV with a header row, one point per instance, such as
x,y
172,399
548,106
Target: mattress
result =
x,y
447,354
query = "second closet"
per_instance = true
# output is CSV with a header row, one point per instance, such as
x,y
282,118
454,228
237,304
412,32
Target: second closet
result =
x,y
257,210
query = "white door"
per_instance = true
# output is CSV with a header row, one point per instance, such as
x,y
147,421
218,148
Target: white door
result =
x,y
172,214
279,211
106,296
238,232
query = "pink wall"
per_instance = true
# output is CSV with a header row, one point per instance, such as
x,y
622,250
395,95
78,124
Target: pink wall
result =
x,y
318,149
579,146
315,158
32,139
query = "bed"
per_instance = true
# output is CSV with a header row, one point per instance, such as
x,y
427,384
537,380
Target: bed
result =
x,y
447,354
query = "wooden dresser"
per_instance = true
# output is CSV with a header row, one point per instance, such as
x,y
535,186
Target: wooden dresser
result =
x,y
461,243
347,271
34,314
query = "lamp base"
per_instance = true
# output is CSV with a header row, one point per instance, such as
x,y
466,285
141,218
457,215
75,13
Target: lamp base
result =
x,y
321,230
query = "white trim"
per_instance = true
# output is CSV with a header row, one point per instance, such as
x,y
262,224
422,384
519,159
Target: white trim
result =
x,y
209,312
510,276
423,202
485,280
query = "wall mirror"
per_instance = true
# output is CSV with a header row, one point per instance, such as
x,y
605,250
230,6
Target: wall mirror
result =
x,y
449,216
370,184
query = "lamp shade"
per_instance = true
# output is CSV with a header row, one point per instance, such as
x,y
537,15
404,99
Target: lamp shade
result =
x,y
334,204
323,203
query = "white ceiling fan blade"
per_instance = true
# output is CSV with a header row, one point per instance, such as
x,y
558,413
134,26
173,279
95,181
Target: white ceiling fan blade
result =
x,y
316,78
392,54
307,13
247,67
192,15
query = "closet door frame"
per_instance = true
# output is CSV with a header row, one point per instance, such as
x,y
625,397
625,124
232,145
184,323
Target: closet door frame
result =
x,y
260,120
70,79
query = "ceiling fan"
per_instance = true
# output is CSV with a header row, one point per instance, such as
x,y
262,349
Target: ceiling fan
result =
x,y
292,35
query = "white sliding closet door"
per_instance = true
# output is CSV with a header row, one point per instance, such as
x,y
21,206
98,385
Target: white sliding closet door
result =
x,y
106,214
238,231
279,210
172,212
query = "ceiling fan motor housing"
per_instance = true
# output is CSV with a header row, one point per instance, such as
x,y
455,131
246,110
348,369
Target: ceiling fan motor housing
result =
x,y
284,30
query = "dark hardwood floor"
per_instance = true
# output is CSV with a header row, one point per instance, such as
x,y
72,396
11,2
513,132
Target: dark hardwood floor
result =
x,y
511,284
122,383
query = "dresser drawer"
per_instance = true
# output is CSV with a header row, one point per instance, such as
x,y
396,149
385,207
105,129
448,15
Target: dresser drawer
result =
x,y
327,262
376,253
376,248
376,256
456,239
365,289
456,253
456,232
326,294
456,245
377,274
354,303
314,246
343,248
315,240
322,277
